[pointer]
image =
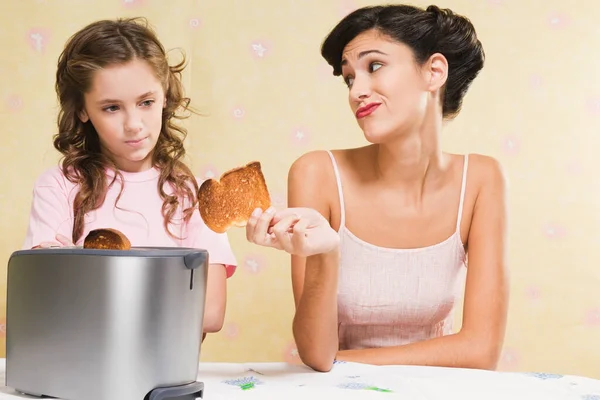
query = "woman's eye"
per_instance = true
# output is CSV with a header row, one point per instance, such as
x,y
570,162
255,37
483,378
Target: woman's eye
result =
x,y
349,81
375,66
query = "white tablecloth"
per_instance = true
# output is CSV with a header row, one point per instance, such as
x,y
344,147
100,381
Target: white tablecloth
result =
x,y
357,381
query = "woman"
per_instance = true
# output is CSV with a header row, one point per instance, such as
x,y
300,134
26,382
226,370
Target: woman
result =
x,y
379,234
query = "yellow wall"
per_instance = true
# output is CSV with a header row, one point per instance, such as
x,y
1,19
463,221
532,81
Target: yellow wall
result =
x,y
536,106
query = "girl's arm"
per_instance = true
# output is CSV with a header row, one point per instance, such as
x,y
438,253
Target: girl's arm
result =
x,y
222,266
50,213
216,298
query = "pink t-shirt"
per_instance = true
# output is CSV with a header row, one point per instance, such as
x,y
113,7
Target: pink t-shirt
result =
x,y
137,214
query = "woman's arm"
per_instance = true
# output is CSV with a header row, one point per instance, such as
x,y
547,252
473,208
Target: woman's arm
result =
x,y
314,278
315,322
304,231
479,342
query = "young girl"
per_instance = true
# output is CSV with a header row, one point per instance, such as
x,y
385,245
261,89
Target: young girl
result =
x,y
380,234
122,154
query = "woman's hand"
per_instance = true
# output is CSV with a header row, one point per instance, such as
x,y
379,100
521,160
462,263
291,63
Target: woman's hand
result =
x,y
299,231
61,241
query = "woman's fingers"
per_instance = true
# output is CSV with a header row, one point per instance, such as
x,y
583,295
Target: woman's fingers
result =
x,y
251,224
299,236
262,226
259,228
298,231
283,232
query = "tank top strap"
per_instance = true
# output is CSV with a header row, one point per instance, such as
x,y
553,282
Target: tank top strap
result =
x,y
462,191
338,180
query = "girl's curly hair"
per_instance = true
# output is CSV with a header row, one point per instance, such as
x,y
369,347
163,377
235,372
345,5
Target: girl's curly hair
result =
x,y
114,42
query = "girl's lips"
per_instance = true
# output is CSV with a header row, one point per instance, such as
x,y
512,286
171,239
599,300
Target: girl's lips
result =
x,y
135,142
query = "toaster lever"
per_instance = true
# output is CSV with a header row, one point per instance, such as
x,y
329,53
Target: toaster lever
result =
x,y
194,260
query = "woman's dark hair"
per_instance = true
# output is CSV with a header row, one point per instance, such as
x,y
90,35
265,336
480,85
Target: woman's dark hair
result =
x,y
426,32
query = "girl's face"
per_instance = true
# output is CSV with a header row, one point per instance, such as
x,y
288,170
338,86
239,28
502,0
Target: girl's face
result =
x,y
125,105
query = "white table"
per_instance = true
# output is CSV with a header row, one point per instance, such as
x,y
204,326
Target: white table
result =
x,y
358,381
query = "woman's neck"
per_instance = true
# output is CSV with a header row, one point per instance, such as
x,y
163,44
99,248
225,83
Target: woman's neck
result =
x,y
411,161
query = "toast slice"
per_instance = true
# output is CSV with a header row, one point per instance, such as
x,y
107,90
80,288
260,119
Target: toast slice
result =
x,y
229,201
106,239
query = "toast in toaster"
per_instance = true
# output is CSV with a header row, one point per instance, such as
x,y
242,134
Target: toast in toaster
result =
x,y
106,239
230,200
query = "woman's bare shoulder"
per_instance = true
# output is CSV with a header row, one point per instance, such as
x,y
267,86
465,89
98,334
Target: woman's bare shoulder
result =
x,y
486,170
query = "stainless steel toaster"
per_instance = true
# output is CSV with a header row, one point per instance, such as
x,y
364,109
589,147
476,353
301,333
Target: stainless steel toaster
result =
x,y
86,324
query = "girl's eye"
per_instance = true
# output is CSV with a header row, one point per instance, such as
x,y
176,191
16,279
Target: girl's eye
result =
x,y
349,80
111,108
147,103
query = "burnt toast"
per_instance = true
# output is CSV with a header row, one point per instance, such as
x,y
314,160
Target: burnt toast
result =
x,y
229,201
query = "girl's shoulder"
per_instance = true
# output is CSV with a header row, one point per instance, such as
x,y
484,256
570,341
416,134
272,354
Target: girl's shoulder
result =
x,y
53,177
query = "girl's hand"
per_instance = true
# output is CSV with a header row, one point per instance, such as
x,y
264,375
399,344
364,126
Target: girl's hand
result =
x,y
61,241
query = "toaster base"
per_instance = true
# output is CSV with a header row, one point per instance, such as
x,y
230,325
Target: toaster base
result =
x,y
191,391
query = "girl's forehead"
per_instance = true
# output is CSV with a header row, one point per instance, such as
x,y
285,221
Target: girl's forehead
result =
x,y
124,81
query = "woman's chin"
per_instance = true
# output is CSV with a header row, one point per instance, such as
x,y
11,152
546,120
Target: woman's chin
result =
x,y
385,134
375,137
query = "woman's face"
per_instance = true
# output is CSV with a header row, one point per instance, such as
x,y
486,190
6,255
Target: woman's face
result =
x,y
388,91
